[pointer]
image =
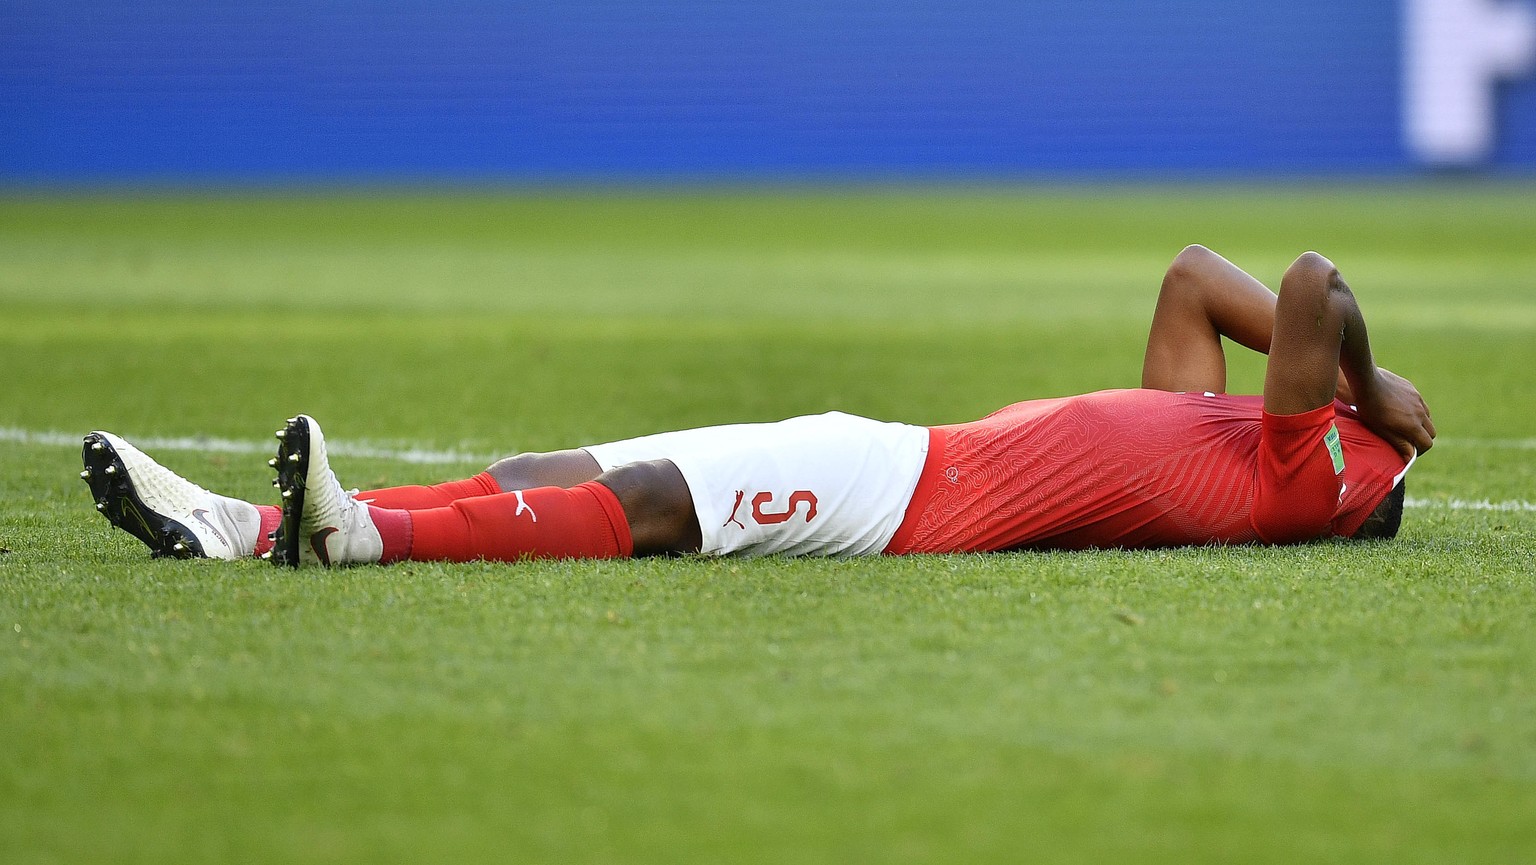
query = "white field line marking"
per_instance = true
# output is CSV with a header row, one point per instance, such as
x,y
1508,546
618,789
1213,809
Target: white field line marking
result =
x,y
1470,505
1507,444
232,446
438,457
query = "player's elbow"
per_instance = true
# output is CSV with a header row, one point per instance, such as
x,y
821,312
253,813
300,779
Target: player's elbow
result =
x,y
1312,283
1187,270
1191,261
1311,268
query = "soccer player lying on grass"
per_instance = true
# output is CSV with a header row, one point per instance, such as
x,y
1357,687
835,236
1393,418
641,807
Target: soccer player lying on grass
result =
x,y
1175,462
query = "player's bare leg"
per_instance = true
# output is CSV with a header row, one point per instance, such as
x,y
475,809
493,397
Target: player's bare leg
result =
x,y
555,469
637,509
659,506
654,495
565,469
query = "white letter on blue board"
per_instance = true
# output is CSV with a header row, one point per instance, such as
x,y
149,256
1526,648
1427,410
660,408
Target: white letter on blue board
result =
x,y
1454,52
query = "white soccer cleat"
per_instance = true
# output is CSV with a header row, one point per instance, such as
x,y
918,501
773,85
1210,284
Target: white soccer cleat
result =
x,y
321,523
170,514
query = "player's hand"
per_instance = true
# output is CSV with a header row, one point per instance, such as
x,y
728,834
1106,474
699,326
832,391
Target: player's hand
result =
x,y
1393,409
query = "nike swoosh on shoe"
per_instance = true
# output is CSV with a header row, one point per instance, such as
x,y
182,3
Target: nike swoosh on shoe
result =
x,y
317,543
201,515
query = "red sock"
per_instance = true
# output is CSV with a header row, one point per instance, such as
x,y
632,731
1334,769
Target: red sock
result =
x,y
271,515
584,522
417,498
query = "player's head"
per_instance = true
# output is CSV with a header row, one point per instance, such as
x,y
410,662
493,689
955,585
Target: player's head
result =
x,y
1383,523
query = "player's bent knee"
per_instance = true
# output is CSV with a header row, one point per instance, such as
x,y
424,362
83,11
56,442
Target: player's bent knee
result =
x,y
658,504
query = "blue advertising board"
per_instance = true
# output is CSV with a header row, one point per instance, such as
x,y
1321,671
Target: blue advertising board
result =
x,y
676,88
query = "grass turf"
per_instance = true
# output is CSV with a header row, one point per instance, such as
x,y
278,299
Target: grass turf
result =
x,y
1331,702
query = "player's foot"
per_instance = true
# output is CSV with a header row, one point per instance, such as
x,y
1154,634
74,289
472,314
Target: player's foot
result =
x,y
170,514
321,523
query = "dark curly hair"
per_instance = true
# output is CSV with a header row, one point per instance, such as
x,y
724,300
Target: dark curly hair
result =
x,y
1383,523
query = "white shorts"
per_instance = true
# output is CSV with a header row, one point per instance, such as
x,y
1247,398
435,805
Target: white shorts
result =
x,y
824,485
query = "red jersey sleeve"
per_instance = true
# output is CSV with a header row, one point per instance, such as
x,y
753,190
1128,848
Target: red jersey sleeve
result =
x,y
1300,468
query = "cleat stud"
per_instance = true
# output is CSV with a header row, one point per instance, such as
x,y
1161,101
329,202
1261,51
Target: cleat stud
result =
x,y
276,483
111,470
272,462
294,457
287,494
101,506
98,446
85,475
180,548
282,433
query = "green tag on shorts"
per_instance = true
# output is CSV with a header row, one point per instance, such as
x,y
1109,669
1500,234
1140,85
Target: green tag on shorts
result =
x,y
1334,449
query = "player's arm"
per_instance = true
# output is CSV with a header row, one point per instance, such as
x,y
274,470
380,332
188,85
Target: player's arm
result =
x,y
1204,297
1318,330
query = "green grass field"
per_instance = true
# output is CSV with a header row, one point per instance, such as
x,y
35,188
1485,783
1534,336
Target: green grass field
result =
x,y
1327,703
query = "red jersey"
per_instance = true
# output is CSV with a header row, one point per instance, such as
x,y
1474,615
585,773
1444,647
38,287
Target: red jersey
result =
x,y
1145,468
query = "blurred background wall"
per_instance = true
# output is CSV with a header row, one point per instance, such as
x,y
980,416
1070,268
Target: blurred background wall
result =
x,y
367,90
